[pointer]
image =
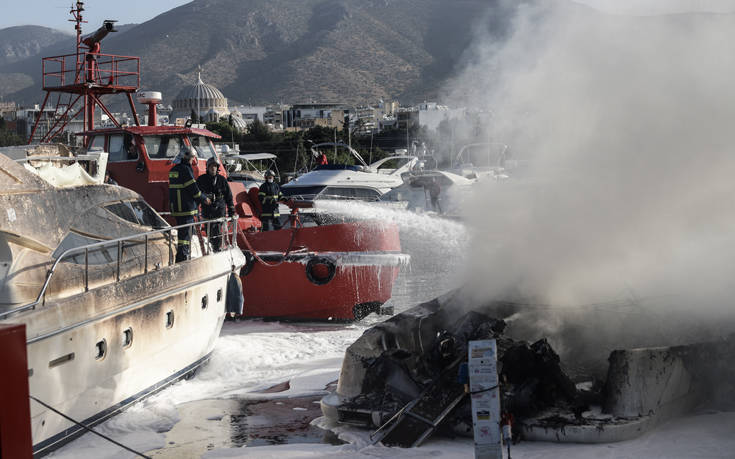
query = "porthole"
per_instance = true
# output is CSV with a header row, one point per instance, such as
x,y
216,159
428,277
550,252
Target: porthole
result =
x,y
170,319
100,349
219,295
205,301
127,338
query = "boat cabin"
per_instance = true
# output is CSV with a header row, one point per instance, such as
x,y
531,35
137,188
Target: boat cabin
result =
x,y
140,158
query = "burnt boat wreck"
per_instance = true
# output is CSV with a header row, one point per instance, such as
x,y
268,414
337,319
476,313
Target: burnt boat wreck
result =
x,y
400,379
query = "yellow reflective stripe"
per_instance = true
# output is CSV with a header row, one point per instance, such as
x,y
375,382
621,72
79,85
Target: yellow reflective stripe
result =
x,y
178,199
188,183
182,242
173,174
266,215
175,185
261,193
197,195
183,213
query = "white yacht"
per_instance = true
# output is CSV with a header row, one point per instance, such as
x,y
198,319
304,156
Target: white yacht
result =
x,y
89,270
363,181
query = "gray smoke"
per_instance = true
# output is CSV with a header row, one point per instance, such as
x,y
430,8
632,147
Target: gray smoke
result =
x,y
621,229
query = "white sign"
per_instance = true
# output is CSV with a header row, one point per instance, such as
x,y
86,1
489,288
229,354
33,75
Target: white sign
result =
x,y
483,372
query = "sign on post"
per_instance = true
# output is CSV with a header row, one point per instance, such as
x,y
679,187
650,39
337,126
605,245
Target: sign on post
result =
x,y
483,372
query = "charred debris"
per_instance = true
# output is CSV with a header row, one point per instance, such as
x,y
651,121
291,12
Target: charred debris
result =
x,y
402,380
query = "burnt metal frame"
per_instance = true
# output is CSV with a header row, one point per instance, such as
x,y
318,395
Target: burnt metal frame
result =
x,y
120,243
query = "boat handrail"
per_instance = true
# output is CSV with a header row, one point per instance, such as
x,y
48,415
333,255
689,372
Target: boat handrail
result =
x,y
41,298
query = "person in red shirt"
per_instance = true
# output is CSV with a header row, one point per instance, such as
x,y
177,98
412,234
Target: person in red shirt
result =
x,y
323,159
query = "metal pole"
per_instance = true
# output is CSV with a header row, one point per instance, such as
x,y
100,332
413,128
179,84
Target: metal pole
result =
x,y
170,248
209,234
145,269
119,255
86,269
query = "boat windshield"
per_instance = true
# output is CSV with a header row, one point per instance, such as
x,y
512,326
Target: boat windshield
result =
x,y
338,167
137,212
203,146
302,192
162,146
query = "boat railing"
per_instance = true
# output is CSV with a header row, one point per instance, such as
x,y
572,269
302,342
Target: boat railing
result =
x,y
229,239
109,70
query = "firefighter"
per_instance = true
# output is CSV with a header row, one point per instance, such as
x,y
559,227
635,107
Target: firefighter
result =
x,y
270,195
184,197
215,187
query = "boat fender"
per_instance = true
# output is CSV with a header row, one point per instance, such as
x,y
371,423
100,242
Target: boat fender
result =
x,y
315,271
234,299
249,262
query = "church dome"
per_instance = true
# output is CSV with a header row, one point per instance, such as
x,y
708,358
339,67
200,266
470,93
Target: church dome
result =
x,y
203,98
239,124
200,90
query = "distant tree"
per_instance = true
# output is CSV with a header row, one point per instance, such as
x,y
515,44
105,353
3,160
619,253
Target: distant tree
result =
x,y
319,134
259,132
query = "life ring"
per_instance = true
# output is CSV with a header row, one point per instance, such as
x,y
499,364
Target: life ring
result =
x,y
320,270
249,263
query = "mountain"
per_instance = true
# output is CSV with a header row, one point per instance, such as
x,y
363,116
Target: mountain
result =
x,y
21,42
261,51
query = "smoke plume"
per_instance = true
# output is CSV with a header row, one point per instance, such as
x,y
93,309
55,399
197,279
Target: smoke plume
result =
x,y
621,226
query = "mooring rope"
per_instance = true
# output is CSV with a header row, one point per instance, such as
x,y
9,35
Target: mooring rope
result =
x,y
88,428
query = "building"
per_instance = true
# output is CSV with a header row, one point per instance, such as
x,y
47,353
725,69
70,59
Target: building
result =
x,y
206,101
331,115
26,117
7,110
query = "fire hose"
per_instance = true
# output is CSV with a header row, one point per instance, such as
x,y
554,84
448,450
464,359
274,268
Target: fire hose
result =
x,y
263,262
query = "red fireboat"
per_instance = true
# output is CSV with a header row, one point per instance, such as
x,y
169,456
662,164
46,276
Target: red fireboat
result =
x,y
341,271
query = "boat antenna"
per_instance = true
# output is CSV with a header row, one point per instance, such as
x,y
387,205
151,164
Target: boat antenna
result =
x,y
199,89
78,20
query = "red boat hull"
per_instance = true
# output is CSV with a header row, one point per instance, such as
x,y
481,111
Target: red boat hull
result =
x,y
366,257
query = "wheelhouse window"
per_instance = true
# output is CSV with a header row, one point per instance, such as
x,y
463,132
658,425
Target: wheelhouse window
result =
x,y
162,146
338,193
367,194
137,212
203,146
302,192
121,148
97,143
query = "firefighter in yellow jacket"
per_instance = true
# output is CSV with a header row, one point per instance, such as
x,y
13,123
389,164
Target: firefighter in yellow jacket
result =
x,y
184,197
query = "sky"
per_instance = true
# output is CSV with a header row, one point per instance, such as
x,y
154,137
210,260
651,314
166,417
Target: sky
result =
x,y
55,13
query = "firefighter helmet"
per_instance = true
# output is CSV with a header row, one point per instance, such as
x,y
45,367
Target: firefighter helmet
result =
x,y
269,173
212,161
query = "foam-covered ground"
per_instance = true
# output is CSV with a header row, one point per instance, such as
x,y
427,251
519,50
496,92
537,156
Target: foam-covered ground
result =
x,y
253,356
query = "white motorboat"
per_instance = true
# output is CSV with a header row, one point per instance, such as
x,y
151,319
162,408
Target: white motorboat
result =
x,y
109,317
363,181
249,168
415,194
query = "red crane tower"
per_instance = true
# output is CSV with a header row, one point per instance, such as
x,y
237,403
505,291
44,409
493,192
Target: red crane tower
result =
x,y
80,80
